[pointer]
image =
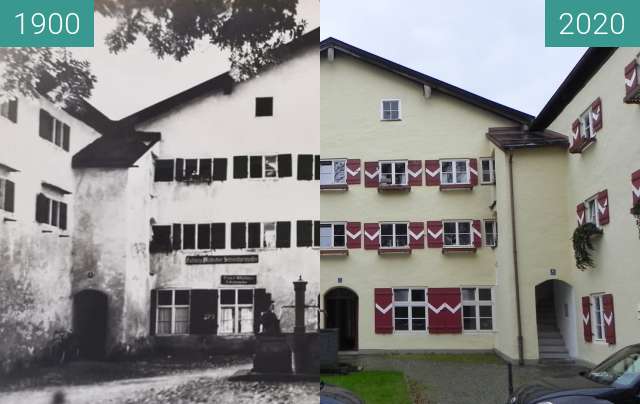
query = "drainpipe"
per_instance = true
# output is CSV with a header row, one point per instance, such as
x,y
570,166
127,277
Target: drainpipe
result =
x,y
515,263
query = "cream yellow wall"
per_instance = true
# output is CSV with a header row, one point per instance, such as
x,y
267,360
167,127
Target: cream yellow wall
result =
x,y
607,165
433,128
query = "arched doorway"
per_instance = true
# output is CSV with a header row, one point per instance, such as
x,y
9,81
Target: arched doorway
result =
x,y
90,323
341,307
556,321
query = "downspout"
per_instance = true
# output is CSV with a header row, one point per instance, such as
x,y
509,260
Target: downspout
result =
x,y
515,263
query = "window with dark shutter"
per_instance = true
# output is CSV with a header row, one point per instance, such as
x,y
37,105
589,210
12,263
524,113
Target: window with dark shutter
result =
x,y
176,236
316,172
316,233
42,209
304,233
9,195
284,166
218,240
54,212
66,137
189,236
205,169
46,125
190,169
179,169
305,167
254,235
219,169
238,235
13,111
163,171
240,166
160,239
63,216
283,235
255,167
204,236
264,106
153,307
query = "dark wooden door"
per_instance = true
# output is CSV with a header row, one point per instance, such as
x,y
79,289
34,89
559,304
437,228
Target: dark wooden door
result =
x,y
90,323
341,305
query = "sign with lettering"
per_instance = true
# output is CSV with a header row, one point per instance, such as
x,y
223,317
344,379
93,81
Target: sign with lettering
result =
x,y
221,259
238,279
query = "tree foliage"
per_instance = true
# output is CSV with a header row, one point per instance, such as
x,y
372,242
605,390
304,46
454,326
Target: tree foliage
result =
x,y
250,30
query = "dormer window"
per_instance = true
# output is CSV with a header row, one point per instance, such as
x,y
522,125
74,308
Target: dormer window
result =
x,y
391,110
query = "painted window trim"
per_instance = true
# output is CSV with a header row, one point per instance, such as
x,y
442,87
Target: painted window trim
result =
x,y
410,303
457,233
495,232
453,166
333,224
173,307
594,315
333,171
393,235
382,101
587,210
492,171
393,172
477,303
236,306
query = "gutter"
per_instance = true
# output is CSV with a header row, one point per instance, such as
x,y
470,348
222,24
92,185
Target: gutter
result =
x,y
515,263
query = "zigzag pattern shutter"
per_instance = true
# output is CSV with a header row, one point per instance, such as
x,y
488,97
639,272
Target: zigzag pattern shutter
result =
x,y
631,77
435,234
445,310
575,140
371,174
477,233
596,115
473,171
354,173
354,235
416,235
586,319
432,172
609,319
603,207
383,317
371,236
580,209
635,185
415,172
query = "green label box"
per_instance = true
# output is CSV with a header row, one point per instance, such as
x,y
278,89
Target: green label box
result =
x,y
46,23
586,23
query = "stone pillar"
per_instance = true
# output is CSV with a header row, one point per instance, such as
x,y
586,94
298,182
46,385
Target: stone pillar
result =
x,y
300,287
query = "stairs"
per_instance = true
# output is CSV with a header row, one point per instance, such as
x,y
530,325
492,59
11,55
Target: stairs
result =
x,y
552,348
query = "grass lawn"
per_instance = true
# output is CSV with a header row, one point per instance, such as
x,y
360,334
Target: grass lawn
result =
x,y
374,387
480,358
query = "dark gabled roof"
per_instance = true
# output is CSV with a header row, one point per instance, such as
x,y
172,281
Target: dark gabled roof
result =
x,y
220,84
88,114
512,138
446,88
587,67
115,151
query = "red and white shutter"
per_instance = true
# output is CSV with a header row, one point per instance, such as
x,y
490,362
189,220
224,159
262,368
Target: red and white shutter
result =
x,y
416,235
476,231
602,201
575,139
586,318
445,310
635,185
473,171
609,319
354,172
354,235
580,213
596,116
371,236
432,172
414,169
435,234
371,174
631,77
383,310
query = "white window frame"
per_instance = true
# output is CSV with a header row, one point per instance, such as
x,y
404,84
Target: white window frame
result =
x,y
394,234
333,171
410,304
382,118
597,317
591,208
457,234
494,232
477,303
263,238
332,225
492,170
173,307
236,311
275,166
393,171
586,124
455,171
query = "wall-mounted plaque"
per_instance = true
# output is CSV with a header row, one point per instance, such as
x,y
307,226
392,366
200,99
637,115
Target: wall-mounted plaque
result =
x,y
221,259
238,279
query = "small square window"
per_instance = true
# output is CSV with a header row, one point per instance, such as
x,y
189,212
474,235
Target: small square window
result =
x,y
264,106
391,110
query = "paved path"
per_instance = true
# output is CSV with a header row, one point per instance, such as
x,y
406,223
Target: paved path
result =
x,y
462,383
208,386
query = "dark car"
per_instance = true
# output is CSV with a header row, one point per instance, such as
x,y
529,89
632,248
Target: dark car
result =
x,y
615,380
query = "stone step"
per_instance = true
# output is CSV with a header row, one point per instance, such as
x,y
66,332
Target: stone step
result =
x,y
554,355
549,334
551,341
553,349
557,362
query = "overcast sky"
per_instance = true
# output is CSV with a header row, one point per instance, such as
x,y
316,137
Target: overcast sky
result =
x,y
493,48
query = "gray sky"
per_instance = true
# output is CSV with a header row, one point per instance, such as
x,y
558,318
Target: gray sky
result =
x,y
135,79
493,48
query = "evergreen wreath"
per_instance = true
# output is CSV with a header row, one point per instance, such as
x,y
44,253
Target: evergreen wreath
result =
x,y
582,245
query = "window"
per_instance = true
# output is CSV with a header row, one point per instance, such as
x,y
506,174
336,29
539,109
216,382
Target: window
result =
x,y
391,110
163,170
409,309
394,235
270,166
264,106
269,235
160,239
236,311
454,172
591,211
9,110
172,312
50,211
7,195
304,233
332,235
488,171
477,309
457,234
490,233
597,314
333,172
393,172
54,130
586,124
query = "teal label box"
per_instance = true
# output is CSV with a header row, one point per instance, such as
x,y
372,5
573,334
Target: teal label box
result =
x,y
46,23
587,23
